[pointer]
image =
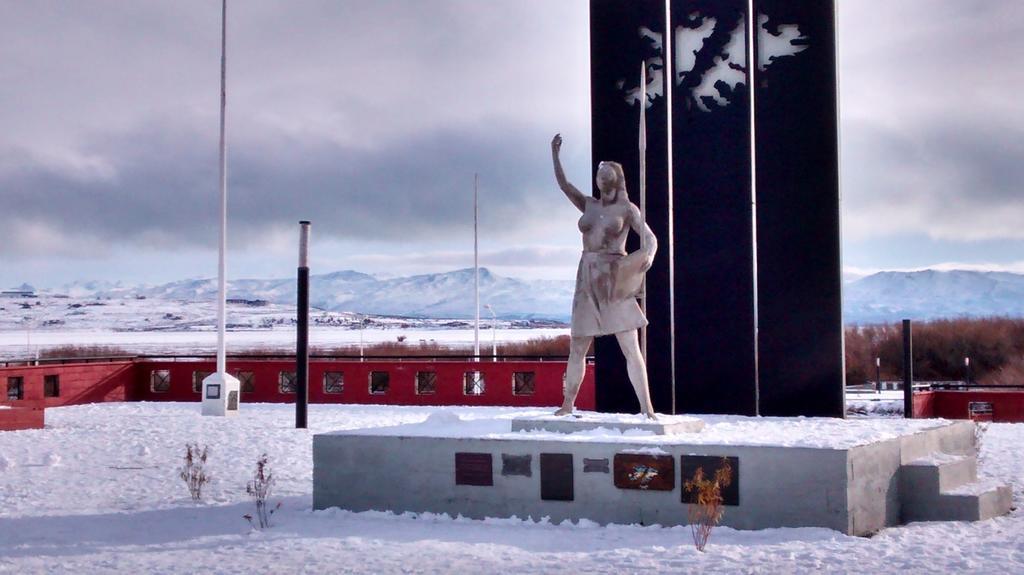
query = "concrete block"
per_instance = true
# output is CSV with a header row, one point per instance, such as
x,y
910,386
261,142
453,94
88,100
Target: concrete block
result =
x,y
665,425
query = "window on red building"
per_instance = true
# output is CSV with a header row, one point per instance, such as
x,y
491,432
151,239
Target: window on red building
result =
x,y
334,382
286,382
51,386
15,388
426,382
523,383
379,382
246,381
160,380
473,383
197,380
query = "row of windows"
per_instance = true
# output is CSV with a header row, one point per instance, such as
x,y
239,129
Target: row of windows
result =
x,y
473,382
16,387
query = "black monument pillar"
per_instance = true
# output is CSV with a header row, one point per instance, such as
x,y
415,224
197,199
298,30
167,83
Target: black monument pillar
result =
x,y
745,297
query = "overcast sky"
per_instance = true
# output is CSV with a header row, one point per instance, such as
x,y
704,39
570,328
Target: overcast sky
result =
x,y
370,118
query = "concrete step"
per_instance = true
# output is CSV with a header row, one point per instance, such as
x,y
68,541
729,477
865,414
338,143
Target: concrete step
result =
x,y
971,502
927,477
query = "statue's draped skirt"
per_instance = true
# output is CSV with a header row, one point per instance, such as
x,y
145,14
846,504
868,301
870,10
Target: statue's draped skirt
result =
x,y
605,298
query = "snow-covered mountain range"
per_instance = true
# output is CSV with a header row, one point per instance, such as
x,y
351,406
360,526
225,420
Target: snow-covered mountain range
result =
x,y
930,294
881,297
440,295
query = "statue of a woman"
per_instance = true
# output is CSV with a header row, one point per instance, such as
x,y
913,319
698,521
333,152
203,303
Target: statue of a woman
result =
x,y
608,279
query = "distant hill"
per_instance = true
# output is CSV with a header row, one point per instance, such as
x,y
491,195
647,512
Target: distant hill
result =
x,y
441,295
882,297
930,294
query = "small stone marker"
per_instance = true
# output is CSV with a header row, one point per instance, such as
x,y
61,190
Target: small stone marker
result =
x,y
710,464
595,465
645,472
474,469
516,465
556,480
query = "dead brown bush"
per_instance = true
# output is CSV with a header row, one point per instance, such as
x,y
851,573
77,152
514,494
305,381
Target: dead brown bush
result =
x,y
75,351
995,346
707,512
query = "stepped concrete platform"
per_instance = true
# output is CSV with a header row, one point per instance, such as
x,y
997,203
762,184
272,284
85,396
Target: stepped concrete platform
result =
x,y
664,425
945,487
854,476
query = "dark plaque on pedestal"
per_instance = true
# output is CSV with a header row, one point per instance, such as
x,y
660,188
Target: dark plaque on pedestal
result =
x,y
595,465
473,469
709,465
556,477
516,465
646,472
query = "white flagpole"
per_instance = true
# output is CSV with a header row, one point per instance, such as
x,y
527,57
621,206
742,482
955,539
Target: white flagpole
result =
x,y
643,196
476,268
221,271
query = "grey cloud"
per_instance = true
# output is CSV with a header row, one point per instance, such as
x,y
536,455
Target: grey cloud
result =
x,y
164,188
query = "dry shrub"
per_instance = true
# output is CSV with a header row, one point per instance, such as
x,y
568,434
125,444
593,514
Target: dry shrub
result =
x,y
76,351
995,346
193,472
537,346
707,512
259,488
404,347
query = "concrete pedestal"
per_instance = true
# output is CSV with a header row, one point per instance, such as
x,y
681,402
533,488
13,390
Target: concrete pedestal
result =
x,y
220,394
847,476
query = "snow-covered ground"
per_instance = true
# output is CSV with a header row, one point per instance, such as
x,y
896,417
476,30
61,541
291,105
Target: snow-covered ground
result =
x,y
97,492
15,345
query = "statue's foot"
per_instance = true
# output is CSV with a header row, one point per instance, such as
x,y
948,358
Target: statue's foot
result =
x,y
564,411
650,415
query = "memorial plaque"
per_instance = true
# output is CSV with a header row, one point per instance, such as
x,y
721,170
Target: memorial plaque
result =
x,y
556,481
232,401
710,464
213,391
646,472
595,465
473,469
516,465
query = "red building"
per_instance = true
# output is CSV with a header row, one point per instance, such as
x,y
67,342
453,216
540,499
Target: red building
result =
x,y
405,381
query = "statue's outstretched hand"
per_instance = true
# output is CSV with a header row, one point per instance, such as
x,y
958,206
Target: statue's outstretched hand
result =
x,y
556,144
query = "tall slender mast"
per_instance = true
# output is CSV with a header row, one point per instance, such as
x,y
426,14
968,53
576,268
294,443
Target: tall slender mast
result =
x,y
670,81
643,196
476,268
752,71
221,273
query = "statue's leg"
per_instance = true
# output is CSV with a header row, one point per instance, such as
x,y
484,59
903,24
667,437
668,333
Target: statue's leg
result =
x,y
574,371
629,341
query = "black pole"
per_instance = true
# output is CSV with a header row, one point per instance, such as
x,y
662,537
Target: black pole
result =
x,y
878,374
908,371
302,332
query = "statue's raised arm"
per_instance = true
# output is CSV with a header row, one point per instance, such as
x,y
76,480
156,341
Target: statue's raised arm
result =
x,y
575,196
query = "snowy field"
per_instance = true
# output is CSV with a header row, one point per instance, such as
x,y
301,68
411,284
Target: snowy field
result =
x,y
97,492
14,344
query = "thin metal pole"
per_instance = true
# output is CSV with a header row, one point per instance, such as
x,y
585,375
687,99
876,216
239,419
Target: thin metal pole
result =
x,y
643,199
669,78
908,370
221,267
494,332
752,87
878,374
302,333
476,268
